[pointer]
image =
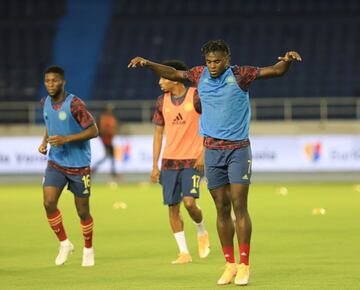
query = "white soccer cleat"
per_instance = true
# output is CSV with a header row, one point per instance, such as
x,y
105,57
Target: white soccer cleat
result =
x,y
88,259
65,250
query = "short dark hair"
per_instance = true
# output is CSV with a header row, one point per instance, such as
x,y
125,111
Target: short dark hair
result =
x,y
176,64
56,70
215,45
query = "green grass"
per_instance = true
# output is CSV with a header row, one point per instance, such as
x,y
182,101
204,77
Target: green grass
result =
x,y
291,248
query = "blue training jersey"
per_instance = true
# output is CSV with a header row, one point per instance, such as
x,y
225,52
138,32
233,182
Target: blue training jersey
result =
x,y
225,107
61,122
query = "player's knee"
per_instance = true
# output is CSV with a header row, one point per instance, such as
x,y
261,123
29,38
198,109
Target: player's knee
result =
x,y
223,209
174,210
50,205
190,204
240,211
239,207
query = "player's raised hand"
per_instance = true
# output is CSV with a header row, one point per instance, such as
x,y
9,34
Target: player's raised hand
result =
x,y
290,56
137,62
56,140
155,175
43,149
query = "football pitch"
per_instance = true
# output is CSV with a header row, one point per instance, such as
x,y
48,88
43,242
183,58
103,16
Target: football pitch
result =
x,y
305,236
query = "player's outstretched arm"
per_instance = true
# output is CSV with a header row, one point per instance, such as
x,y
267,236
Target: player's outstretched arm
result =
x,y
164,71
280,68
87,134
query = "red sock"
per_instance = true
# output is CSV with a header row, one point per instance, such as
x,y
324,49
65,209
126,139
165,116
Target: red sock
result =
x,y
229,254
55,221
87,229
244,253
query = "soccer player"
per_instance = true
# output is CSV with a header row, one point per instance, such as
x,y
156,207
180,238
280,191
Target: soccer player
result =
x,y
225,119
107,130
177,113
69,126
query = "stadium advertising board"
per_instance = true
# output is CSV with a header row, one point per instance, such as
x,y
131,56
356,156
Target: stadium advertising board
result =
x,y
303,153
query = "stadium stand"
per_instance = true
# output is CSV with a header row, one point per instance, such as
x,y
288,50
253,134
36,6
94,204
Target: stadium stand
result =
x,y
324,32
27,29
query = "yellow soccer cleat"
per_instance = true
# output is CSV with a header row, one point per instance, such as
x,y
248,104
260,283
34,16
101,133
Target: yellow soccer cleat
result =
x,y
204,245
243,274
228,275
183,258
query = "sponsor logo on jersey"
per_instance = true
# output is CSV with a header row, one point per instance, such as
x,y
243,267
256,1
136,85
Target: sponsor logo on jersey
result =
x,y
230,80
178,120
62,115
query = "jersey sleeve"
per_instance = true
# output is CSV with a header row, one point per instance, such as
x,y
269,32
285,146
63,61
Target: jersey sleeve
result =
x,y
42,102
194,74
81,113
245,75
158,118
